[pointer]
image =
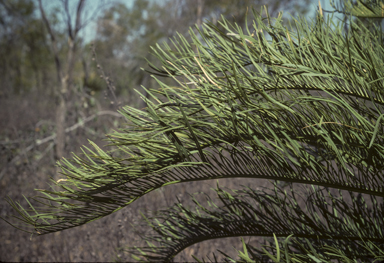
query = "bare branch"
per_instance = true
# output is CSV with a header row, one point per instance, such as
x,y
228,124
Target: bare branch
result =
x,y
53,40
93,16
107,80
78,25
69,24
53,136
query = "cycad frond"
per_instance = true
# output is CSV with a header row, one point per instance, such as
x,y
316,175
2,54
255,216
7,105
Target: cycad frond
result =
x,y
303,105
326,220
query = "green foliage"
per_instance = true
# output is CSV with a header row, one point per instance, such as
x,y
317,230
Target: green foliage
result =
x,y
300,104
23,46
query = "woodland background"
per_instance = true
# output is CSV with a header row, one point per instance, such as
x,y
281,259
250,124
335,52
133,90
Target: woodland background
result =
x,y
65,69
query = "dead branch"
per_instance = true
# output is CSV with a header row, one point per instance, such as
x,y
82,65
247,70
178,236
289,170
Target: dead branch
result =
x,y
107,79
53,136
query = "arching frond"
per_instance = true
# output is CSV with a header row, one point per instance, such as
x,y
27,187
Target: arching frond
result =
x,y
302,104
327,219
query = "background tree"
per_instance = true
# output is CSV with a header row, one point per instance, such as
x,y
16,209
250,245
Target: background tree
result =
x,y
27,105
27,44
23,47
64,70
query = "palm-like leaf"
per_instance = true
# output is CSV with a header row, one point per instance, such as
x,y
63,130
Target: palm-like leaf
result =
x,y
261,213
301,104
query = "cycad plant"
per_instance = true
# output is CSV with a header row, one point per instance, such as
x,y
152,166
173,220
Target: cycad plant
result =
x,y
301,104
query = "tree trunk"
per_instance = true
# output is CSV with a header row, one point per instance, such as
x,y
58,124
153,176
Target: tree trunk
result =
x,y
200,4
60,127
